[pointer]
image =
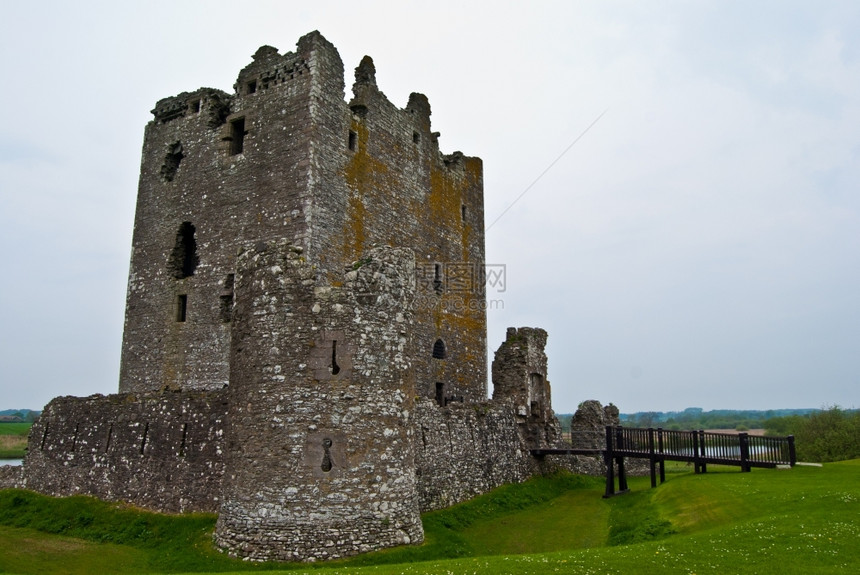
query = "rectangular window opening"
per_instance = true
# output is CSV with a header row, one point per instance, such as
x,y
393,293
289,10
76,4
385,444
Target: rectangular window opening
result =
x,y
440,393
416,137
181,307
353,140
195,107
226,308
252,86
237,136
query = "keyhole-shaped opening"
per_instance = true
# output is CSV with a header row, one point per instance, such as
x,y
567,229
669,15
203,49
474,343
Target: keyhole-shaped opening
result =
x,y
335,368
326,462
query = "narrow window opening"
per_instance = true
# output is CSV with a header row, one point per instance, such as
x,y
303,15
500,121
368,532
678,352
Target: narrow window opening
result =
x,y
335,368
109,437
143,441
44,436
439,351
184,436
437,278
75,437
463,212
326,462
353,140
237,136
440,393
252,87
226,308
195,106
183,259
181,307
416,137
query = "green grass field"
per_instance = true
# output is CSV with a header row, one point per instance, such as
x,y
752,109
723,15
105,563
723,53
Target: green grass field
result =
x,y
13,439
803,520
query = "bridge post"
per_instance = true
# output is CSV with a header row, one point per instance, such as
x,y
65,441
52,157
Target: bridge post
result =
x,y
662,459
792,453
697,463
622,476
608,460
704,464
652,457
744,439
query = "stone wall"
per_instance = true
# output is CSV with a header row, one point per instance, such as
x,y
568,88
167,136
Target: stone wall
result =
x,y
159,451
321,461
11,476
464,450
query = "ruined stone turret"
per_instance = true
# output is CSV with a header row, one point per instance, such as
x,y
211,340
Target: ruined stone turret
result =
x,y
519,375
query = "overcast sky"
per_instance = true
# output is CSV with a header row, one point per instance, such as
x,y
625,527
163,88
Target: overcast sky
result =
x,y
699,245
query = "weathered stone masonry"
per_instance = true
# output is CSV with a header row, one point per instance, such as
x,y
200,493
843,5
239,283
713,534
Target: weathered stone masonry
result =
x,y
320,461
282,364
159,451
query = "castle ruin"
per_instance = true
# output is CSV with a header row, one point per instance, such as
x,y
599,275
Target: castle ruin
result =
x,y
304,349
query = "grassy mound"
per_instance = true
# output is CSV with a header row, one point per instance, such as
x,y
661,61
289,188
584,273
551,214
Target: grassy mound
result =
x,y
802,520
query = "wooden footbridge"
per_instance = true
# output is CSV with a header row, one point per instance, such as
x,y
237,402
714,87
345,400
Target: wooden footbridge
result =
x,y
697,447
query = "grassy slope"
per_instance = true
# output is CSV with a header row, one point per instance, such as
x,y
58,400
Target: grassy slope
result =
x,y
769,521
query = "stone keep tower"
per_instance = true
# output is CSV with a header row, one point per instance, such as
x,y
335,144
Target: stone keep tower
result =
x,y
282,364
287,158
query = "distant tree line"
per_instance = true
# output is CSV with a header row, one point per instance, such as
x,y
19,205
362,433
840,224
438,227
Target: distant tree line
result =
x,y
832,434
19,416
698,418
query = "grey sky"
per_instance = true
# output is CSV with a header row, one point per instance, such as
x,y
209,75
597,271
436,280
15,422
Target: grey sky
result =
x,y
700,246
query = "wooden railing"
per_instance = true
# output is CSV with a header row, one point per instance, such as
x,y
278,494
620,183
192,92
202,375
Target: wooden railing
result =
x,y
697,447
660,445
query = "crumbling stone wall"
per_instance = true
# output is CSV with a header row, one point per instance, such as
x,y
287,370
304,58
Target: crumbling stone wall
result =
x,y
464,450
159,451
588,425
321,463
588,431
519,375
11,476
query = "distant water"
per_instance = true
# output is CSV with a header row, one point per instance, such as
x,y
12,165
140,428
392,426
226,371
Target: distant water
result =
x,y
11,461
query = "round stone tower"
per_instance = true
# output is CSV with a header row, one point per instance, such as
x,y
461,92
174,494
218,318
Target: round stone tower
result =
x,y
320,454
